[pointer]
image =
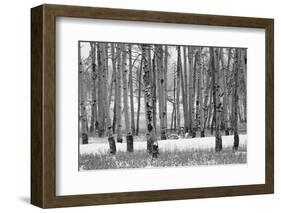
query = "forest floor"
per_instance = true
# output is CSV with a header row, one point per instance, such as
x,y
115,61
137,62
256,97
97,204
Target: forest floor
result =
x,y
179,152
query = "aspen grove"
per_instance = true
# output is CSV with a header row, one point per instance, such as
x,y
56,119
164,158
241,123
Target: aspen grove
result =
x,y
147,93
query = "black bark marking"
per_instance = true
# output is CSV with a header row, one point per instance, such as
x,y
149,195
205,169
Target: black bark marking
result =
x,y
84,138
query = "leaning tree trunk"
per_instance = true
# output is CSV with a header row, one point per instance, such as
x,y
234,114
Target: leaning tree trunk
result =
x,y
94,89
82,102
215,84
235,97
129,136
111,140
118,95
152,143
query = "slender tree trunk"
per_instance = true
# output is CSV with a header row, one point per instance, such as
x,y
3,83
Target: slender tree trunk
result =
x,y
207,102
152,143
183,89
100,124
114,118
111,140
113,60
160,73
201,91
174,114
129,136
178,91
172,117
94,89
139,97
131,89
191,91
197,101
82,102
154,85
235,97
165,85
195,94
223,74
113,75
118,96
227,94
244,69
214,56
187,114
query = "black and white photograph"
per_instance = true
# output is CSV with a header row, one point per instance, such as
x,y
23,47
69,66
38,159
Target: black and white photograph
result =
x,y
160,105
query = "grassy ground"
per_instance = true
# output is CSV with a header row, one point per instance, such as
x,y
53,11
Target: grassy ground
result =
x,y
141,159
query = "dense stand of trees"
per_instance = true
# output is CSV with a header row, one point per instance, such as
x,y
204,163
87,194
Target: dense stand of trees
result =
x,y
186,91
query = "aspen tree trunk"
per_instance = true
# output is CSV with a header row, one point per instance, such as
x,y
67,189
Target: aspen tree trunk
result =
x,y
200,91
178,92
219,104
207,100
118,96
111,140
129,136
100,123
210,104
114,118
83,115
113,78
152,143
212,58
174,113
172,117
94,89
227,93
139,96
165,85
235,97
131,89
154,85
197,69
187,114
244,69
191,92
223,73
194,101
160,73
214,55
183,89
113,60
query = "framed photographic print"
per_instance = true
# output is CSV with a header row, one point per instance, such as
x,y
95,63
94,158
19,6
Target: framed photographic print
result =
x,y
136,106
